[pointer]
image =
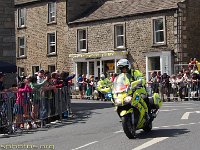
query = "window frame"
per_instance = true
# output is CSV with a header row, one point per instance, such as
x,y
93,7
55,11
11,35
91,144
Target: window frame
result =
x,y
50,12
49,44
154,38
117,36
49,68
79,49
20,17
21,47
34,69
20,72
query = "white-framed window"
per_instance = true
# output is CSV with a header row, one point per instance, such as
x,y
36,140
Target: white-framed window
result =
x,y
21,71
21,47
35,69
51,38
21,17
51,68
119,36
52,12
82,40
159,30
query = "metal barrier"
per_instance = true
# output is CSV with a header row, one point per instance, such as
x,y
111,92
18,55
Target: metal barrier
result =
x,y
189,90
40,107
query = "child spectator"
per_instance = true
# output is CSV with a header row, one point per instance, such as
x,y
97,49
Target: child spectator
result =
x,y
19,104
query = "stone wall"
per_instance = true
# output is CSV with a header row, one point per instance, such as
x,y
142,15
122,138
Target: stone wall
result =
x,y
192,38
138,36
35,34
7,31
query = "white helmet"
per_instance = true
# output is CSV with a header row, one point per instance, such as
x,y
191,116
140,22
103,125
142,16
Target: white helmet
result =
x,y
102,76
123,63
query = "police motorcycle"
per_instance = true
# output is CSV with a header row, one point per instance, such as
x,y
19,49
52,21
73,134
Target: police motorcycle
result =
x,y
127,100
107,91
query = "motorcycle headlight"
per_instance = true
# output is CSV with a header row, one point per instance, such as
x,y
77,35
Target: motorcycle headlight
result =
x,y
118,101
128,99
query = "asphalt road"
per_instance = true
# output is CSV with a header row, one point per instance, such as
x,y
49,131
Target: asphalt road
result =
x,y
96,126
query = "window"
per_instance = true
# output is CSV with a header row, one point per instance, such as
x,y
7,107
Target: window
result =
x,y
82,40
153,65
158,31
21,46
51,43
119,36
52,68
35,69
21,17
21,71
51,12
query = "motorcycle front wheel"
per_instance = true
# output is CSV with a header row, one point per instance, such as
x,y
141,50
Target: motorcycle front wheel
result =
x,y
148,127
128,127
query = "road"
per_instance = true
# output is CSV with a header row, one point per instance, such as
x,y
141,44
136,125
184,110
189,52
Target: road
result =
x,y
96,126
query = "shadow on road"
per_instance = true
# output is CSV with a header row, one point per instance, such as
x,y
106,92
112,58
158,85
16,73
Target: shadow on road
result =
x,y
162,133
82,111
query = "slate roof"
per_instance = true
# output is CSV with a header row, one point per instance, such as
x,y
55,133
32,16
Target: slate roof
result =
x,y
20,2
122,8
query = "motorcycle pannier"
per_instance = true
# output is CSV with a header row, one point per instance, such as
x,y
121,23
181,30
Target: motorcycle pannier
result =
x,y
155,101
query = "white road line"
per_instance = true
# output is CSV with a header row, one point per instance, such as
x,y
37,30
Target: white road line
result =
x,y
167,110
119,131
85,145
150,143
174,106
186,115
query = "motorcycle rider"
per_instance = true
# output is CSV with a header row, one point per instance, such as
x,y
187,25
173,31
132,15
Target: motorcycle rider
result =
x,y
103,82
136,76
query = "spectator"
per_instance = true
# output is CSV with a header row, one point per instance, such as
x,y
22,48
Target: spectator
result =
x,y
18,109
40,76
165,85
153,82
174,85
181,85
80,85
35,97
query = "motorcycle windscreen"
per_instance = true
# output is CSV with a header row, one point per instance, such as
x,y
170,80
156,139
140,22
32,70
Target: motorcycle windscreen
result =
x,y
121,83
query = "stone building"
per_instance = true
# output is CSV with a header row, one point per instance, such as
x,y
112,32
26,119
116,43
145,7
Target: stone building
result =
x,y
89,36
7,31
7,38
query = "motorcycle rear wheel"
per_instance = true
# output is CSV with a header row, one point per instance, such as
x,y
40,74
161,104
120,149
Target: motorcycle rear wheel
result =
x,y
128,127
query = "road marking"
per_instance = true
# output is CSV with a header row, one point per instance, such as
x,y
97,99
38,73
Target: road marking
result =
x,y
169,126
85,145
186,115
167,110
174,106
150,143
119,131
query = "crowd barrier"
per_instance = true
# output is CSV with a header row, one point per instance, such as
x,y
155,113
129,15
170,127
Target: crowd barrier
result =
x,y
189,90
38,106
